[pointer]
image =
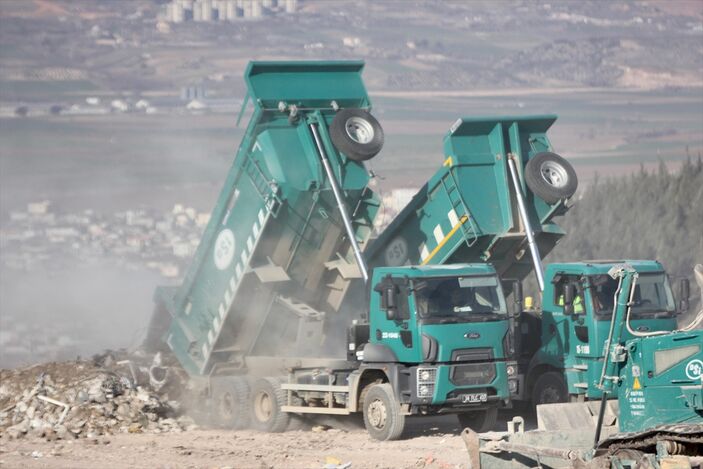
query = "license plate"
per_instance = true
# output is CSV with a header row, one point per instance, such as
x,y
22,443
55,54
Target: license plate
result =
x,y
474,398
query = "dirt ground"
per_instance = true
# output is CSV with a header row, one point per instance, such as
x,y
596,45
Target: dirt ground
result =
x,y
428,443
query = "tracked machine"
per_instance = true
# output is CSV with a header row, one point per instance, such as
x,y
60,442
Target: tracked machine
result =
x,y
655,421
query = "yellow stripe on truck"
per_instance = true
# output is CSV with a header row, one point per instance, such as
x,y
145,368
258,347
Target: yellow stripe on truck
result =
x,y
462,220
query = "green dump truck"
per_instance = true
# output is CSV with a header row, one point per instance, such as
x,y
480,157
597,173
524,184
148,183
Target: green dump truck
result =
x,y
494,201
563,345
288,309
259,320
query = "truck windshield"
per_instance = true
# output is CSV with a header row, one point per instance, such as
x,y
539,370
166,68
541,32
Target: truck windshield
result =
x,y
653,295
459,298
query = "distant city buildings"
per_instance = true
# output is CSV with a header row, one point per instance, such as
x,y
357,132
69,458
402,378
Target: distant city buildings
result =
x,y
392,202
179,11
42,237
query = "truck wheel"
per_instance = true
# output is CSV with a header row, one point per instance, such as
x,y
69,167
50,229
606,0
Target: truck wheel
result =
x,y
382,417
231,403
480,421
357,134
267,398
550,388
551,177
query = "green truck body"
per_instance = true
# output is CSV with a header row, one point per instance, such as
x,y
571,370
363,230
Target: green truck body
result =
x,y
276,281
270,264
467,211
656,376
572,343
265,294
661,382
461,349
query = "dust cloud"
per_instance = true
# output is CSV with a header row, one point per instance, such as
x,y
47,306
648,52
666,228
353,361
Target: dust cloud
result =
x,y
79,311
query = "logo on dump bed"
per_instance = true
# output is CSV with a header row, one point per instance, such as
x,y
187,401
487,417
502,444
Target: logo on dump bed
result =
x,y
396,252
224,249
694,369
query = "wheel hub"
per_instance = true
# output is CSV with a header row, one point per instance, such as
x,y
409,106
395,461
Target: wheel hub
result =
x,y
359,130
227,405
263,407
377,414
554,174
549,395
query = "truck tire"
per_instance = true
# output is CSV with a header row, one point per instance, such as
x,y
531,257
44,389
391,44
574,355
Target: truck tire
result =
x,y
357,134
231,402
550,177
267,398
550,388
382,417
480,421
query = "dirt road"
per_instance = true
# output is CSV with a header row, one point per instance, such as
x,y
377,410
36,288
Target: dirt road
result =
x,y
429,443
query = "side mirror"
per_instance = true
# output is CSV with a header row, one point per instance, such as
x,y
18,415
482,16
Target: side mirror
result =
x,y
517,296
684,295
390,301
569,299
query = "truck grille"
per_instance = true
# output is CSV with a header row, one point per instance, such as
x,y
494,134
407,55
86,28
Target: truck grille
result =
x,y
473,374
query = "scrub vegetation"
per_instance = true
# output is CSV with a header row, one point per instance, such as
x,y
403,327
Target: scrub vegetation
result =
x,y
645,215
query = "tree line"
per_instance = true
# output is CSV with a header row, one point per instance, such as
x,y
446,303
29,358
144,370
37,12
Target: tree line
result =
x,y
645,215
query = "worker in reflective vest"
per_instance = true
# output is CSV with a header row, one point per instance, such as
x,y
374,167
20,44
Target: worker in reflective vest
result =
x,y
578,303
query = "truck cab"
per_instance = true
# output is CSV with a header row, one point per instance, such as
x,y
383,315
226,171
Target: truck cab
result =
x,y
440,336
562,348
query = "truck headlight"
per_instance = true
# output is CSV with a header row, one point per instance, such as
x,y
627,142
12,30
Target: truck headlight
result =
x,y
426,378
426,375
511,370
512,386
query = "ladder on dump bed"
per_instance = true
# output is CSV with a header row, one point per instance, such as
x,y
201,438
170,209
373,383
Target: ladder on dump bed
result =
x,y
459,214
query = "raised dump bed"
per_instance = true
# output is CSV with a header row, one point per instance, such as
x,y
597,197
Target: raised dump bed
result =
x,y
468,211
275,258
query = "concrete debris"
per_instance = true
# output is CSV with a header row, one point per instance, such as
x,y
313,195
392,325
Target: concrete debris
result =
x,y
81,399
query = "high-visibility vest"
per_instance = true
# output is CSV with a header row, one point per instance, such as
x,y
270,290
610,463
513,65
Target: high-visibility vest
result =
x,y
578,303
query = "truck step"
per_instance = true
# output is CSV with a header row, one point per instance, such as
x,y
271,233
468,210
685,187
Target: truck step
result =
x,y
315,410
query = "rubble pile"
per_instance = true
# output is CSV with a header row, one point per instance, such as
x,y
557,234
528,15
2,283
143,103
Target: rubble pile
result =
x,y
87,399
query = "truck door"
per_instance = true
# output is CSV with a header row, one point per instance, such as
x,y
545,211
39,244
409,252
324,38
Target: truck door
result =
x,y
391,319
576,331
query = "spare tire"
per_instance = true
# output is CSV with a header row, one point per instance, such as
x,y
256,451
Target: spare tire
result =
x,y
357,134
550,177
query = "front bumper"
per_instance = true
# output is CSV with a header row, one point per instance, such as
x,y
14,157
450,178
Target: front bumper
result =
x,y
446,392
